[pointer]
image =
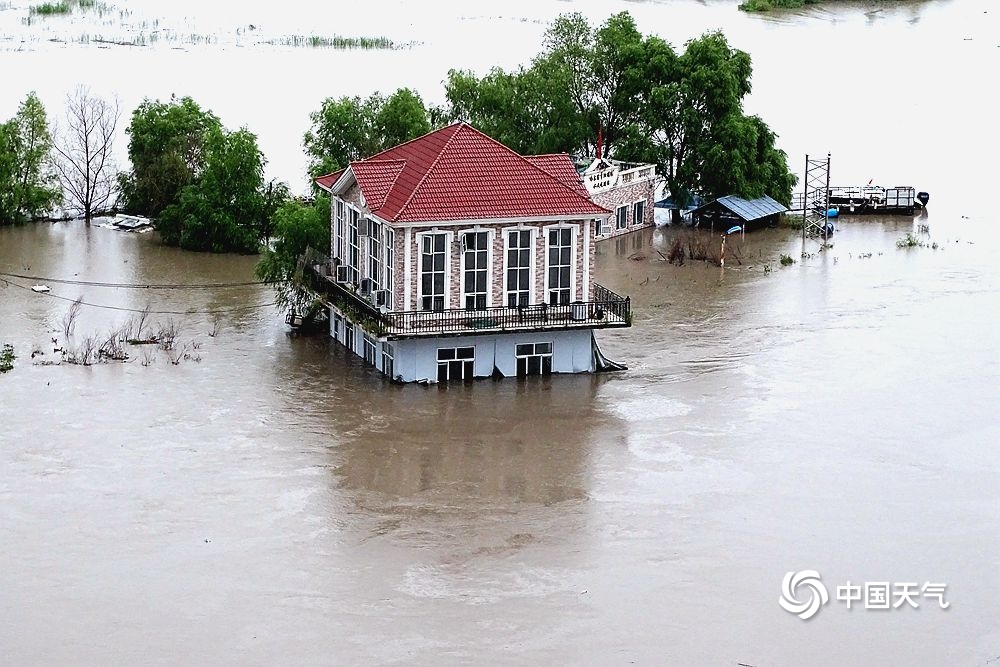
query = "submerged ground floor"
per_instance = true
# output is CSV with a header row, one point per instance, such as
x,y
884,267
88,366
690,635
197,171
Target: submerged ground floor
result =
x,y
447,358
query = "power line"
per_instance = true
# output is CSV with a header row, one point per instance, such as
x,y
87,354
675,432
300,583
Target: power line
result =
x,y
215,311
163,286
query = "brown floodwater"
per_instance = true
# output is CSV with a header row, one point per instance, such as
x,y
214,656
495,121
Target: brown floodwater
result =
x,y
269,500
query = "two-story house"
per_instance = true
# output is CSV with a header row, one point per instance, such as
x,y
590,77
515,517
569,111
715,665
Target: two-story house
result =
x,y
453,257
626,189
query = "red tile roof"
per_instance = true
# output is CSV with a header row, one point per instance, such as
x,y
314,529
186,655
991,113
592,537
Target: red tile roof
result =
x,y
560,166
459,173
378,177
326,182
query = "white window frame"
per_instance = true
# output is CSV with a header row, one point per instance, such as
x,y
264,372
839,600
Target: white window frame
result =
x,y
338,326
638,220
621,221
388,360
532,243
375,255
350,336
467,362
420,268
572,259
354,241
541,353
338,229
369,349
390,251
489,265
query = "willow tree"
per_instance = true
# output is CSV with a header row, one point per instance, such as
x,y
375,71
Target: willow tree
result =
x,y
168,151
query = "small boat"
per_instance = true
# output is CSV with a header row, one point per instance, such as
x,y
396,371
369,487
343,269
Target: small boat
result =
x,y
40,288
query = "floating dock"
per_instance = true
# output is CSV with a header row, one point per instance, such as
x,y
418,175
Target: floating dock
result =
x,y
866,199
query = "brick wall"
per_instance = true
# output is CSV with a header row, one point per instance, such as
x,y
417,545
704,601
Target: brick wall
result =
x,y
497,259
498,248
627,194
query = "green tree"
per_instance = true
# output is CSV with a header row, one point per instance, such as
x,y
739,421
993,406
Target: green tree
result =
x,y
222,210
683,112
10,149
742,159
28,185
341,131
693,111
352,128
402,117
603,69
167,148
296,227
538,122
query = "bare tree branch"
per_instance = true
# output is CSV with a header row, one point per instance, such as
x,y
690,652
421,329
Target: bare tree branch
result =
x,y
84,158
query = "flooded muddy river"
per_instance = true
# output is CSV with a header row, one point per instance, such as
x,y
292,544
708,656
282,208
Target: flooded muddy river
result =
x,y
269,500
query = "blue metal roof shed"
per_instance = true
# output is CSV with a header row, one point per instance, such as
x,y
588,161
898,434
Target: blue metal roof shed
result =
x,y
733,210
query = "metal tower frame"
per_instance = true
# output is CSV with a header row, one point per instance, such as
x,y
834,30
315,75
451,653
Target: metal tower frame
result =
x,y
816,199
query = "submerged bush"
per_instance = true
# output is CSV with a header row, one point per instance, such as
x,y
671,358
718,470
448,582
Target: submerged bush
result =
x,y
50,8
7,358
767,5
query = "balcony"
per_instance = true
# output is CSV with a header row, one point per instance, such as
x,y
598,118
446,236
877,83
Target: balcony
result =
x,y
606,310
619,174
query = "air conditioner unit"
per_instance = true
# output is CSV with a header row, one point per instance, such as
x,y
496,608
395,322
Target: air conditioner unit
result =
x,y
343,274
381,298
366,286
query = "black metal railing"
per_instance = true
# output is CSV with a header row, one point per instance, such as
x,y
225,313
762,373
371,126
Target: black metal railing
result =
x,y
606,310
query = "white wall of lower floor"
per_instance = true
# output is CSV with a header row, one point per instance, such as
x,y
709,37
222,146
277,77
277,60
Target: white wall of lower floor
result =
x,y
417,359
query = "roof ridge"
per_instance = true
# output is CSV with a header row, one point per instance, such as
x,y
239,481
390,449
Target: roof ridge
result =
x,y
395,178
408,141
535,166
437,158
396,164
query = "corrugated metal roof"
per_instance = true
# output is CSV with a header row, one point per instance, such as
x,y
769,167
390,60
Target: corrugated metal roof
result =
x,y
748,209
